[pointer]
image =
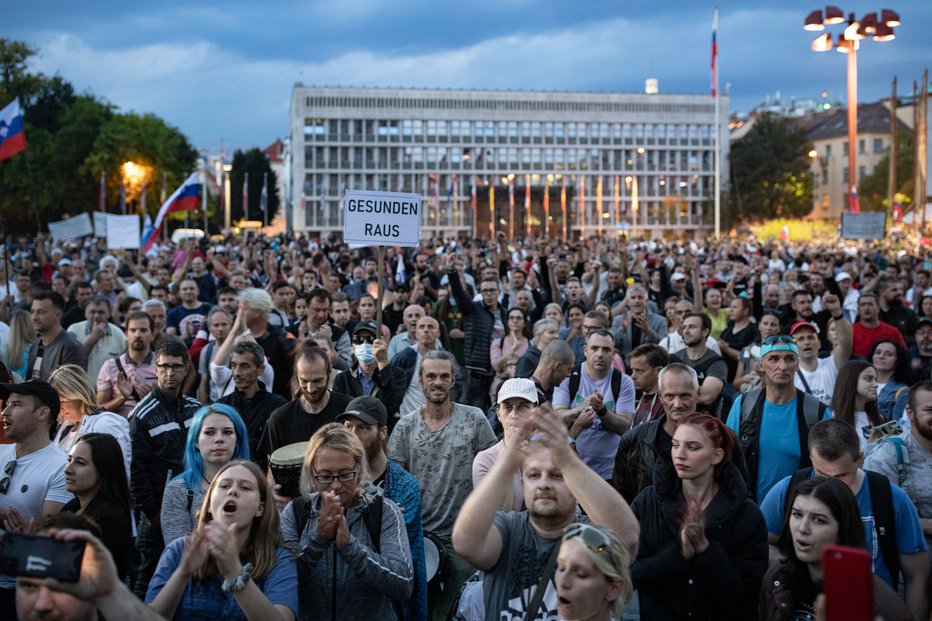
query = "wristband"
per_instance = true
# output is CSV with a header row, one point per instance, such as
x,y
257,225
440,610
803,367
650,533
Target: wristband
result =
x,y
239,582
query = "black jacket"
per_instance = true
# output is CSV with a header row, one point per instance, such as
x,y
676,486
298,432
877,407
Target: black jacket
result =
x,y
635,459
723,582
158,427
478,323
255,413
389,386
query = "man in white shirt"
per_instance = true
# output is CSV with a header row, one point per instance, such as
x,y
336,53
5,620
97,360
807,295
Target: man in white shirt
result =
x,y
817,375
101,339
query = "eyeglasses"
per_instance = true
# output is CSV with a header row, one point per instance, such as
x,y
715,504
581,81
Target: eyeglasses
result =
x,y
589,329
488,290
176,368
361,339
779,338
594,539
327,479
8,470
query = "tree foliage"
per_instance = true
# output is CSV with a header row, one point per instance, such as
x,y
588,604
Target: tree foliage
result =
x,y
256,164
71,139
873,191
770,172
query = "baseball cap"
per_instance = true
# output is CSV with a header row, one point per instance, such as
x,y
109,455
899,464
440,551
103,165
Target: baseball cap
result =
x,y
367,409
678,276
37,388
842,276
778,342
366,326
925,321
804,324
64,261
520,387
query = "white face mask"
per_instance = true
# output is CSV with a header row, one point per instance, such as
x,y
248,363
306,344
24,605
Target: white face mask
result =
x,y
364,353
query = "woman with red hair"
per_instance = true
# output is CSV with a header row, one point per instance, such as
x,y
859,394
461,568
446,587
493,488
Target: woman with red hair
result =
x,y
703,546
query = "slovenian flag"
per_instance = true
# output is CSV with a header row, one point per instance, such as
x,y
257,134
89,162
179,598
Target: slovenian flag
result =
x,y
714,53
897,213
12,134
182,199
854,203
785,233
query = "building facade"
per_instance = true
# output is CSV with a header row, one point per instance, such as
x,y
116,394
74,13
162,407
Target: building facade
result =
x,y
520,162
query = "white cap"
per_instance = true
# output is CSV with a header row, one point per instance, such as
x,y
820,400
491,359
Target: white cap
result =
x,y
520,387
678,276
842,276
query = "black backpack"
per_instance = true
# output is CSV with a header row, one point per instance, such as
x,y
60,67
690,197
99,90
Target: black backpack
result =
x,y
576,378
884,514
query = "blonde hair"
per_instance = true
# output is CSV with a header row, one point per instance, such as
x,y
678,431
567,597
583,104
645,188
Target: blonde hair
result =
x,y
334,436
21,337
264,539
614,562
72,383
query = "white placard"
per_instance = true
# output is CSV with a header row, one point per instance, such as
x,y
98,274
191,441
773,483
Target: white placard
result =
x,y
72,228
864,225
100,224
123,231
381,218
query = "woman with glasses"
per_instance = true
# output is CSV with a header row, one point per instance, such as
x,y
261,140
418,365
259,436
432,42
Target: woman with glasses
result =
x,y
703,546
891,360
79,414
353,558
216,437
592,577
821,511
95,474
507,350
233,565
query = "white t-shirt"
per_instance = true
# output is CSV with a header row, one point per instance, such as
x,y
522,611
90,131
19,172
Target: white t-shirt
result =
x,y
221,380
38,477
863,426
821,381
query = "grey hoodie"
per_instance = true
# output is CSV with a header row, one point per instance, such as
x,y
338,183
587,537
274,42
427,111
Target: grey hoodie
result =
x,y
366,582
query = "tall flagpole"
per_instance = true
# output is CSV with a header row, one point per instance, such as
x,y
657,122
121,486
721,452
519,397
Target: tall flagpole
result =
x,y
718,127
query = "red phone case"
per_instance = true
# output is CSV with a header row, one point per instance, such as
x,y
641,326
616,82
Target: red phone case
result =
x,y
848,584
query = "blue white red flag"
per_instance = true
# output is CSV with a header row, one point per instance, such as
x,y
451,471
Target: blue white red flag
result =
x,y
12,134
147,228
897,213
854,203
182,199
785,233
715,53
401,274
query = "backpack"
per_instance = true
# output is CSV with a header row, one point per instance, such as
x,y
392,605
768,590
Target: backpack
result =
x,y
902,455
884,514
809,411
576,378
722,405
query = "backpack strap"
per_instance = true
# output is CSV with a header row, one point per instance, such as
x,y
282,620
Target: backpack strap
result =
x,y
301,507
616,384
798,477
902,458
884,521
575,378
545,576
802,378
748,437
373,518
119,366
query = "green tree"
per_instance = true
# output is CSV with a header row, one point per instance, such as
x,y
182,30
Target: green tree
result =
x,y
770,172
873,191
256,164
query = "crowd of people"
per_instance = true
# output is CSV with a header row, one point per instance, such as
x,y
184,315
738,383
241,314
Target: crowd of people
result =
x,y
282,428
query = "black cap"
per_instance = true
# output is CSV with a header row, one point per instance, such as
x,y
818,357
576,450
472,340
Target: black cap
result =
x,y
925,321
37,388
367,409
366,326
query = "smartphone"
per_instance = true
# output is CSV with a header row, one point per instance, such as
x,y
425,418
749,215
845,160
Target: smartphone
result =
x,y
848,584
38,556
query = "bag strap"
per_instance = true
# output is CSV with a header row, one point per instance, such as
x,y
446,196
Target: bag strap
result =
x,y
122,371
575,379
541,587
302,513
373,518
902,458
884,521
802,378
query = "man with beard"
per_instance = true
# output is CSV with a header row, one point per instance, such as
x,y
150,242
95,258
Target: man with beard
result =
x,y
916,481
315,405
318,319
251,398
599,399
921,353
428,277
124,380
158,428
892,309
709,366
100,338
437,444
368,419
869,329
639,449
34,485
76,307
513,548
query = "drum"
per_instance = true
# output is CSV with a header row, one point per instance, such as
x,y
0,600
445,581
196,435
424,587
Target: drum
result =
x,y
435,558
286,464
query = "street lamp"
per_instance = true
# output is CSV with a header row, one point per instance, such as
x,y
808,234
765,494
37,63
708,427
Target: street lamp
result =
x,y
881,28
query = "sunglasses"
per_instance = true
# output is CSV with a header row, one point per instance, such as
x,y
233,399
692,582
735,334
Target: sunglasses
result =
x,y
596,541
361,339
779,338
8,470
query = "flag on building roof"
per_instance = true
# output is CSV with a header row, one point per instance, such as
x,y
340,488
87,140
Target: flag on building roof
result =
x,y
12,134
182,199
714,52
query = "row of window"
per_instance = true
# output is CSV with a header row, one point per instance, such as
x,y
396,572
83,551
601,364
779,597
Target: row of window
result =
x,y
344,129
877,147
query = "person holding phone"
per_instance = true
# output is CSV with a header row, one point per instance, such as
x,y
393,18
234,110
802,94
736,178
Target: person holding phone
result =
x,y
232,566
822,511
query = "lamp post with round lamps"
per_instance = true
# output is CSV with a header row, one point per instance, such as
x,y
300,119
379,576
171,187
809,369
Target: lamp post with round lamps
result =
x,y
848,42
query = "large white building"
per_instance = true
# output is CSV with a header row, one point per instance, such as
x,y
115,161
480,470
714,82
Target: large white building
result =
x,y
517,161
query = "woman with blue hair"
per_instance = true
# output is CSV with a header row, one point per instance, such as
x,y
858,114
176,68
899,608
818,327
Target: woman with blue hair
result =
x,y
216,437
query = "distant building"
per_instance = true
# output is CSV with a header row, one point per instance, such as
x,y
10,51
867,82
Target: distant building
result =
x,y
451,145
